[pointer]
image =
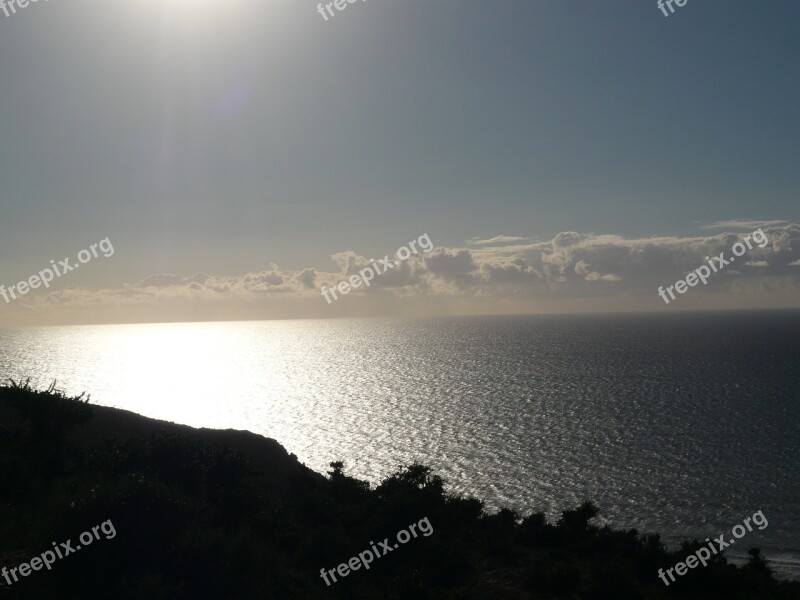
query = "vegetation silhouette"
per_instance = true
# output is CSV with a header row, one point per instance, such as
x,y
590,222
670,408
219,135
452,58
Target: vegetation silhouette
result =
x,y
225,514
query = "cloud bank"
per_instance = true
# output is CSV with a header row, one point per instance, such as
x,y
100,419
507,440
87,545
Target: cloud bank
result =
x,y
572,272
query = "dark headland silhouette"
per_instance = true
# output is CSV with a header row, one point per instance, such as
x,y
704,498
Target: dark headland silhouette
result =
x,y
201,513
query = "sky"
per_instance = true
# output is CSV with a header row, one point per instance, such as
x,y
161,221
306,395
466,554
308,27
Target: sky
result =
x,y
561,155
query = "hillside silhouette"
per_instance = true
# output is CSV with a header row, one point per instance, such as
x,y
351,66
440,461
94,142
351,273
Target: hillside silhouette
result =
x,y
202,513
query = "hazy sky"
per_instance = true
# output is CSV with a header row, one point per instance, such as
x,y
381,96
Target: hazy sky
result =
x,y
240,154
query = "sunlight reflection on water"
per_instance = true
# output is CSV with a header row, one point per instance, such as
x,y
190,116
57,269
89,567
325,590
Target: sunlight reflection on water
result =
x,y
679,425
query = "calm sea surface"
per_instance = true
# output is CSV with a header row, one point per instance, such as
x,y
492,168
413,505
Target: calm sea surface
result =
x,y
683,424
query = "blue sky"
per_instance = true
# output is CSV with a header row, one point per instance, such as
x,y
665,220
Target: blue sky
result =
x,y
250,137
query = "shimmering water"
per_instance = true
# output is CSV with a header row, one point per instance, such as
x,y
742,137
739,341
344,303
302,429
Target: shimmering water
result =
x,y
683,424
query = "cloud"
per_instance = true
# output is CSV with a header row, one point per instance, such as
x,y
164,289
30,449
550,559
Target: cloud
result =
x,y
741,225
307,277
456,266
497,240
161,280
573,271
583,269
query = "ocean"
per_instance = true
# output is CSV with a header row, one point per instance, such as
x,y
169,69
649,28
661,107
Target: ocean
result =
x,y
685,423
